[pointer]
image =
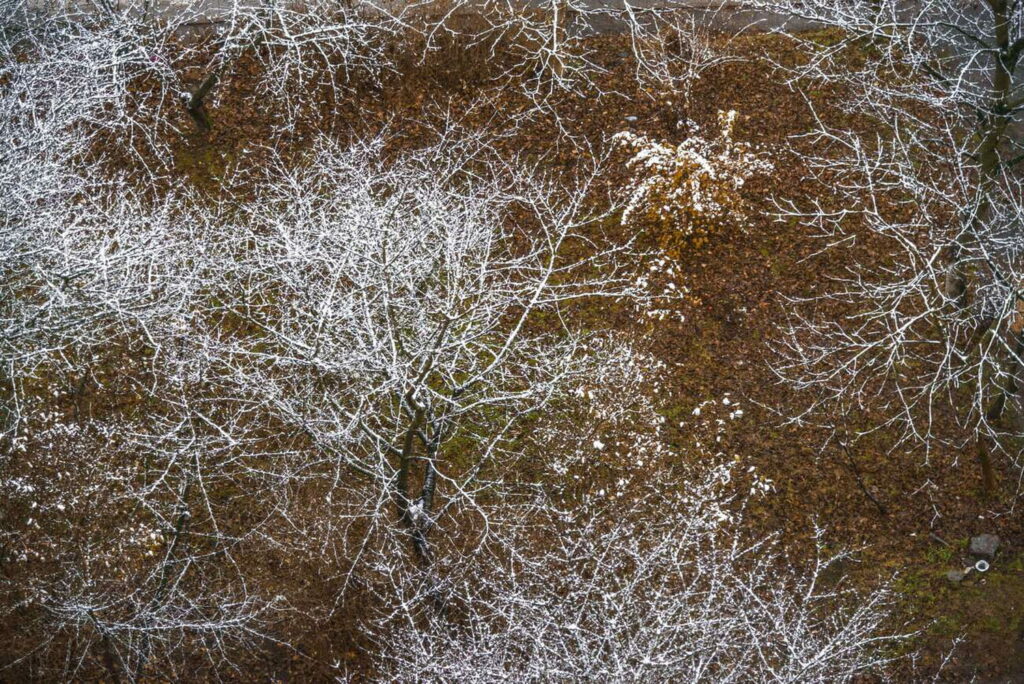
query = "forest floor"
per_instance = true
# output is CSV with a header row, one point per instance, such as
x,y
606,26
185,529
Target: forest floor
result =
x,y
717,344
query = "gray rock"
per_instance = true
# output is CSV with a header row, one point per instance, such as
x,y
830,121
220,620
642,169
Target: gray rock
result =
x,y
955,576
984,546
631,118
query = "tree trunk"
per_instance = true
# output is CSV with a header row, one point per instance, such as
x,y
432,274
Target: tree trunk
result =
x,y
956,278
8,411
196,104
988,473
996,121
109,662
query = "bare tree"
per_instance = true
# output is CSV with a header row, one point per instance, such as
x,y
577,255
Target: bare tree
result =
x,y
112,552
301,48
675,46
927,171
650,586
83,65
407,352
109,564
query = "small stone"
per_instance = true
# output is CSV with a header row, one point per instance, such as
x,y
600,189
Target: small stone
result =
x,y
984,546
631,119
955,576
